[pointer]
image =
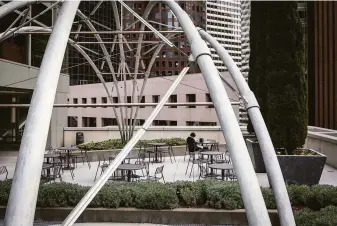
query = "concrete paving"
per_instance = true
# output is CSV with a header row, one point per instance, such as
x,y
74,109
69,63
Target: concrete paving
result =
x,y
172,171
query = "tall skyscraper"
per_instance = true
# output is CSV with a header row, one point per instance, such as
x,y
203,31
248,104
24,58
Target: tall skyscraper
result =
x,y
245,28
223,22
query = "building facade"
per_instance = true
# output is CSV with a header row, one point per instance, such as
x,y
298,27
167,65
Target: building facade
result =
x,y
322,63
191,89
223,22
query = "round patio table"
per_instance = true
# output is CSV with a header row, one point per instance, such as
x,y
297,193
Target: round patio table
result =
x,y
68,150
48,157
223,167
156,145
212,154
129,168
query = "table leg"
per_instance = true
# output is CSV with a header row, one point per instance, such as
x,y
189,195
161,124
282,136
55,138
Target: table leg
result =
x,y
48,170
223,174
156,154
129,175
211,163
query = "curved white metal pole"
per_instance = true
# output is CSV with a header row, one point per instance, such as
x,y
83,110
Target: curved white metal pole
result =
x,y
26,181
108,60
269,155
257,213
122,62
85,201
14,5
81,51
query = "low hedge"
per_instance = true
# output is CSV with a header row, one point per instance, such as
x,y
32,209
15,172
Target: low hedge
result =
x,y
118,144
318,203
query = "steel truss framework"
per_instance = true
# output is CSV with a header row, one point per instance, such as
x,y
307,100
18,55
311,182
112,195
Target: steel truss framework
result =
x,y
21,207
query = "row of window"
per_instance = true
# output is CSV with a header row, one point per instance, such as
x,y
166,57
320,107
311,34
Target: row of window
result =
x,y
170,64
190,98
92,122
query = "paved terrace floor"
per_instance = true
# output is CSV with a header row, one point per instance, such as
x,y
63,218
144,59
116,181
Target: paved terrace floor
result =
x,y
172,171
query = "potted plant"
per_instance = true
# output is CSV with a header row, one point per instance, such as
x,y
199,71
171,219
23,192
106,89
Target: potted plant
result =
x,y
277,77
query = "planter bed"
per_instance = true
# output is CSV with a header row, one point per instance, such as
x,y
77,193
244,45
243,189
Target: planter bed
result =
x,y
168,217
200,202
296,169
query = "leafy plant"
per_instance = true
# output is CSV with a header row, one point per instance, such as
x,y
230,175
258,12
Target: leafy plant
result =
x,y
324,217
224,197
118,144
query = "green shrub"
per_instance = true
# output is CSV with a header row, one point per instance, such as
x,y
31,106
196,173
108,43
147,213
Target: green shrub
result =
x,y
154,195
60,194
297,194
269,198
224,196
5,188
108,197
324,217
118,144
320,196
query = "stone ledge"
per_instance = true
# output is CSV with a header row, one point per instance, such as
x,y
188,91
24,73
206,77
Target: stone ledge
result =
x,y
132,215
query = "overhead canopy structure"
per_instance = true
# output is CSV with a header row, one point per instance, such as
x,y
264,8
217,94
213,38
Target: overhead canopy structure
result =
x,y
21,208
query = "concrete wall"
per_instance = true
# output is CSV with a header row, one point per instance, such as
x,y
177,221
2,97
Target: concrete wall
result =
x,y
154,132
191,84
323,141
22,76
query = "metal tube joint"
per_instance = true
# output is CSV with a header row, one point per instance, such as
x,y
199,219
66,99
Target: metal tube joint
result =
x,y
249,100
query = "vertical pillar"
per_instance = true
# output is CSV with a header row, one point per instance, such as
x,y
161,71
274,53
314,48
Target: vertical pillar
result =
x,y
13,120
29,49
26,181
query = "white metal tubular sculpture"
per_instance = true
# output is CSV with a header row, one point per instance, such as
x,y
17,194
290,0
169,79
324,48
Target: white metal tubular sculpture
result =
x,y
257,213
80,207
26,181
269,156
13,5
81,51
21,208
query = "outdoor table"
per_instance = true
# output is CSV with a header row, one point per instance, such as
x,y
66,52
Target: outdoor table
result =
x,y
48,157
212,154
128,157
156,145
223,167
47,166
130,167
209,143
68,149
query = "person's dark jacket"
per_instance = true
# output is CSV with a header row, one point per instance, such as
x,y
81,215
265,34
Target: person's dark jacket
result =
x,y
191,144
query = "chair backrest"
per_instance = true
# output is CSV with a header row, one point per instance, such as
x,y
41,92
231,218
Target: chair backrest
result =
x,y
147,167
159,170
3,170
57,170
141,155
203,171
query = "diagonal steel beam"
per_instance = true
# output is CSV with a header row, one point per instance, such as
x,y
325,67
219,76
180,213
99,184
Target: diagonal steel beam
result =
x,y
85,201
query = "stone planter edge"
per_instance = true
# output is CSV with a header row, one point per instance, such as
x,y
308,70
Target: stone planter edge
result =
x,y
133,215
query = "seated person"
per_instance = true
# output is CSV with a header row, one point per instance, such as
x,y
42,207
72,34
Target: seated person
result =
x,y
192,144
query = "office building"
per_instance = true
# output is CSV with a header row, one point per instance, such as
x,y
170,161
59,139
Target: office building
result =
x,y
223,22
